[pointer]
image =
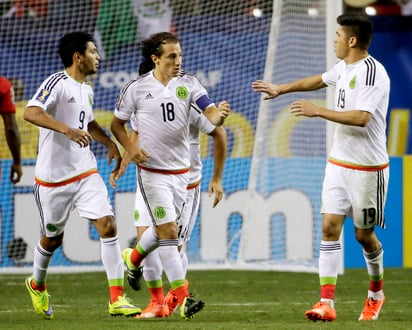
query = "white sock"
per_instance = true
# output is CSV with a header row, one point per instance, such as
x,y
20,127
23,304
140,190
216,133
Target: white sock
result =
x,y
171,261
152,266
112,260
41,262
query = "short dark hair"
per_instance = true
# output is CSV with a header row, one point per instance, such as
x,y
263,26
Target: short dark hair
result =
x,y
153,46
71,43
358,25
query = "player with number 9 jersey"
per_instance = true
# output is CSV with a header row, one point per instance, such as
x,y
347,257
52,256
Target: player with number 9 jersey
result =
x,y
70,102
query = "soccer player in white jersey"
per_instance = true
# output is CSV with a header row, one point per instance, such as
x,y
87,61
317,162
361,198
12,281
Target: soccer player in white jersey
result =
x,y
161,306
66,173
161,99
357,172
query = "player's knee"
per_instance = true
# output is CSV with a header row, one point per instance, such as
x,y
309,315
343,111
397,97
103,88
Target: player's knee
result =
x,y
106,227
51,243
367,238
330,231
167,231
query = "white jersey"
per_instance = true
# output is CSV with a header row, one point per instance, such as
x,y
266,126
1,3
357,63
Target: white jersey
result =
x,y
162,117
70,102
363,85
198,123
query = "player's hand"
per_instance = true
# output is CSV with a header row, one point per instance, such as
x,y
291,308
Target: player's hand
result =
x,y
123,166
224,109
82,138
112,179
16,173
216,188
304,108
272,90
113,153
136,155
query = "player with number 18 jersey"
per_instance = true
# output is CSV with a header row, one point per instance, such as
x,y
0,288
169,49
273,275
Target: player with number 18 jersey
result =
x,y
162,117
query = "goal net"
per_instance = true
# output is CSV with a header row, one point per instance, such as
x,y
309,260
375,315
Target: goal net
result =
x,y
269,215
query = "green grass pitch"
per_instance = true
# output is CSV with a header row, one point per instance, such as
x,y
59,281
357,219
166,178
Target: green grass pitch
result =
x,y
234,300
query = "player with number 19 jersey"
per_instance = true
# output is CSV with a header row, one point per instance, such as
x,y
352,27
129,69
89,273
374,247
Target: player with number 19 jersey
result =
x,y
162,118
59,159
363,85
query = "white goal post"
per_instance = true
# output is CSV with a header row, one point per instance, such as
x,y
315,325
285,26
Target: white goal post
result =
x,y
282,226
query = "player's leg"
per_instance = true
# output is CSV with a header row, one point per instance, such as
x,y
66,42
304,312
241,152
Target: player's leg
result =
x,y
148,240
368,211
142,221
152,267
373,255
166,196
54,206
185,224
335,204
330,255
152,273
92,202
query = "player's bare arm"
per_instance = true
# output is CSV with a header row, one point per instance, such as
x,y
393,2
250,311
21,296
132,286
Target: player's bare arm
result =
x,y
352,117
37,116
126,160
273,90
118,129
220,149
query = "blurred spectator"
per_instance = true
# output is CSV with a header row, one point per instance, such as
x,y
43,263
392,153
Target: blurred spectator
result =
x,y
5,6
125,22
153,16
116,25
28,8
382,7
406,7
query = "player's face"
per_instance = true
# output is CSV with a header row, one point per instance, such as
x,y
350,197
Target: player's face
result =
x,y
341,43
90,60
170,62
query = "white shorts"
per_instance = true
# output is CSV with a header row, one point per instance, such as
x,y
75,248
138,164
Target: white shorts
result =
x,y
358,194
88,195
142,216
189,214
165,194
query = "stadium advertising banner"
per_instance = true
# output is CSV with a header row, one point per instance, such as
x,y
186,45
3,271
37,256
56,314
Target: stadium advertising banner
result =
x,y
288,226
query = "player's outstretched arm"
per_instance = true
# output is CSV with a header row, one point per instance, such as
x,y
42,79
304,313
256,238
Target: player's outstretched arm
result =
x,y
273,90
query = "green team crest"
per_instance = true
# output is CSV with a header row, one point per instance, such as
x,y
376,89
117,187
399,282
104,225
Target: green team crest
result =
x,y
159,212
182,92
352,83
51,227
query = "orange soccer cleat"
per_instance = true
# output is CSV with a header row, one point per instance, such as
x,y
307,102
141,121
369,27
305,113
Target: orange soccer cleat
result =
x,y
171,299
154,310
371,309
321,311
